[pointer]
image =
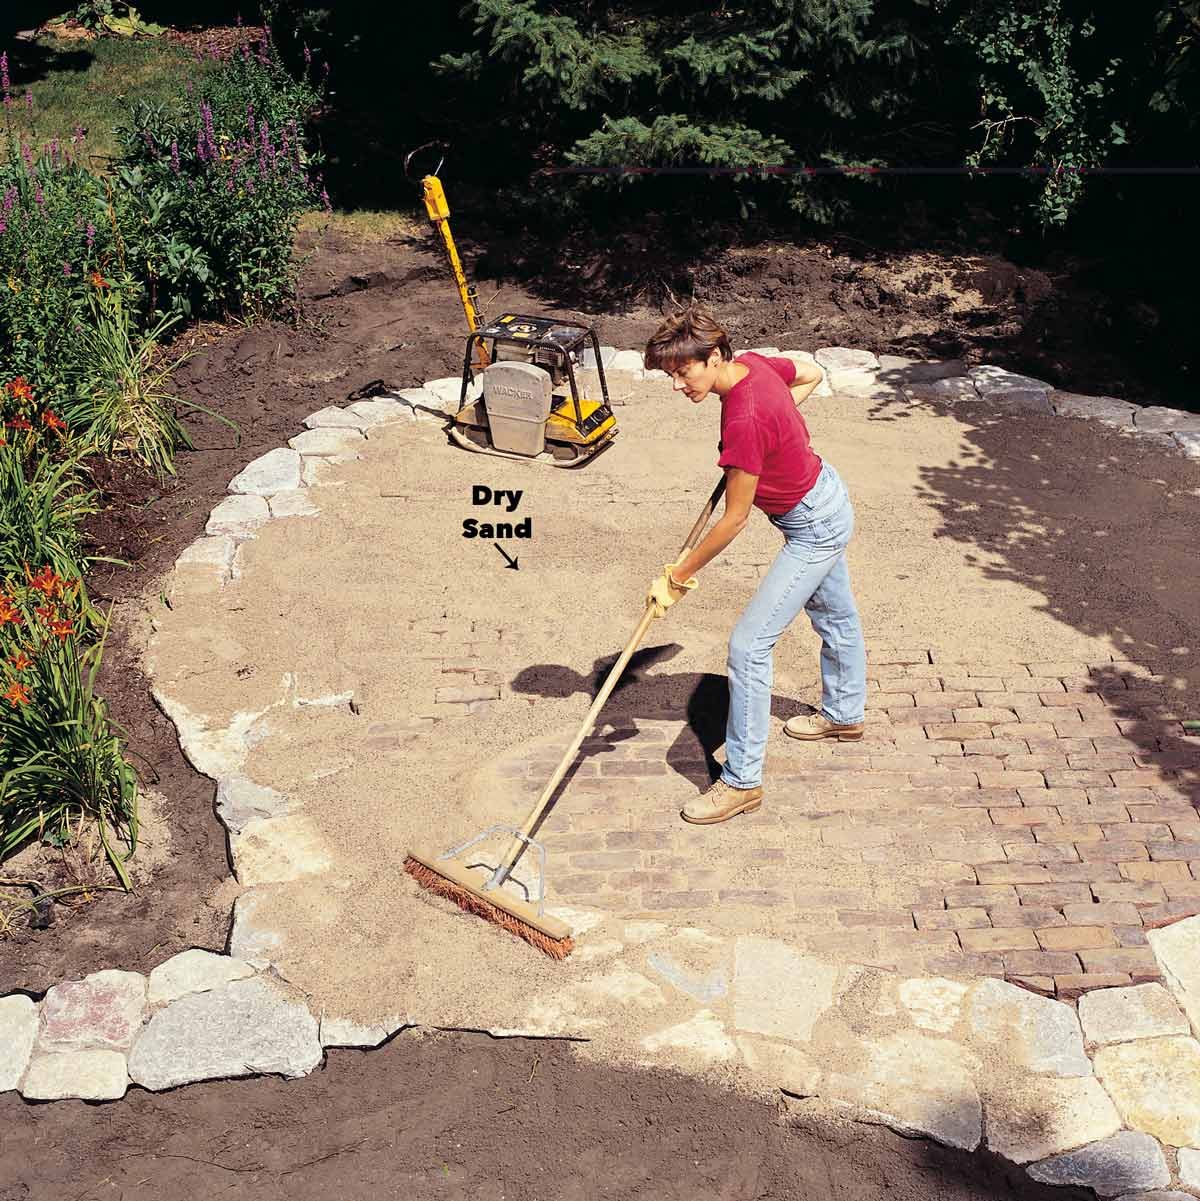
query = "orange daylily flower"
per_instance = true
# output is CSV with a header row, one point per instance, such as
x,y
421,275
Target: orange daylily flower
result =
x,y
53,420
19,423
98,280
17,694
62,628
8,614
19,388
20,662
46,581
47,612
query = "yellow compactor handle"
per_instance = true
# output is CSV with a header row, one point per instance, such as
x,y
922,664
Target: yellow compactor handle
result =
x,y
439,213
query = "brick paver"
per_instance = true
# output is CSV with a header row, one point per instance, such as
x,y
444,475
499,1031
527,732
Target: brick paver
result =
x,y
1025,820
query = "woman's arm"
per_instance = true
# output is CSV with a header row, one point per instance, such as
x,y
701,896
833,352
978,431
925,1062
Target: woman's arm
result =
x,y
740,487
808,376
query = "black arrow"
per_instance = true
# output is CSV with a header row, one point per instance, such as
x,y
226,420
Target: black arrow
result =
x,y
511,562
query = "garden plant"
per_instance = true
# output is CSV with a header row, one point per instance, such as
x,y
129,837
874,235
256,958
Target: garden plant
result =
x,y
195,218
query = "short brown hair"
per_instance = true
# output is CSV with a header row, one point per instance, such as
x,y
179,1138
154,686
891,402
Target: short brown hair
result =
x,y
691,334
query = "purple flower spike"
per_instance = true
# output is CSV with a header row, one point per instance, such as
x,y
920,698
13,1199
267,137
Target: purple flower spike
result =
x,y
91,234
325,201
175,155
67,269
29,102
10,198
5,83
3,226
38,197
307,57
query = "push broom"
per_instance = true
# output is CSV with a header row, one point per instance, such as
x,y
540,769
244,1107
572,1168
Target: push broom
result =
x,y
448,876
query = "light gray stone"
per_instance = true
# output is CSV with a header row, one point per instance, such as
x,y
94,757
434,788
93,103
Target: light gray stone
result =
x,y
215,554
448,391
777,991
103,1010
855,383
1033,400
1115,1165
327,443
607,354
1188,442
423,398
914,1083
95,1075
796,1071
933,1002
956,389
1189,1167
705,989
1177,949
250,938
989,379
275,850
18,1029
276,471
628,360
805,356
244,1028
193,971
241,800
768,351
239,516
342,1032
1164,1194
899,370
841,358
1034,1117
1114,1015
331,417
1028,1031
1106,409
1156,1085
702,1035
1155,419
380,411
297,502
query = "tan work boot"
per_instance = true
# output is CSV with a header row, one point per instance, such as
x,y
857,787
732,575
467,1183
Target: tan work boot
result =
x,y
816,725
721,802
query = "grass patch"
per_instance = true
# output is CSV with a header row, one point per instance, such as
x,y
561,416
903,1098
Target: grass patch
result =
x,y
92,85
363,225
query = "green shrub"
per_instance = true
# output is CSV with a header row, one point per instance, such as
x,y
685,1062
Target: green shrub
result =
x,y
54,233
208,193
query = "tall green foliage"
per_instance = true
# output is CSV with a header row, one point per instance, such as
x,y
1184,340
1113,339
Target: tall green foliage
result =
x,y
772,82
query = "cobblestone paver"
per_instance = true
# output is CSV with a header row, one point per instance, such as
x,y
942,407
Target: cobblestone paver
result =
x,y
1034,820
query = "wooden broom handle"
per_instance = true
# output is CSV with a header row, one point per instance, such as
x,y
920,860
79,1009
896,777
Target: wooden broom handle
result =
x,y
518,843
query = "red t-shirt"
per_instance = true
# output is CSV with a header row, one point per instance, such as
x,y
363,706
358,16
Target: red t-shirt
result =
x,y
763,433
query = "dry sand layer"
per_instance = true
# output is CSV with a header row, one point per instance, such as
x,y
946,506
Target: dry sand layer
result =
x,y
964,535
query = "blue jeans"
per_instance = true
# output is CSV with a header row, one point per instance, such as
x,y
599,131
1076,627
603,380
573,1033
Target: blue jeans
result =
x,y
809,573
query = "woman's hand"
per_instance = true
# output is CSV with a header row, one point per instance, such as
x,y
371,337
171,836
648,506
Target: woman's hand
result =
x,y
665,590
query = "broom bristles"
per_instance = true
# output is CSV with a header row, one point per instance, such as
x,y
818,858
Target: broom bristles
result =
x,y
471,902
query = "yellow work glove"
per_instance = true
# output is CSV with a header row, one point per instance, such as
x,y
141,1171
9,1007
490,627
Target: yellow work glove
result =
x,y
664,593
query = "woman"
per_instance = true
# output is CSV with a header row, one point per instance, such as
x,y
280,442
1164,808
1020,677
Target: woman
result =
x,y
769,464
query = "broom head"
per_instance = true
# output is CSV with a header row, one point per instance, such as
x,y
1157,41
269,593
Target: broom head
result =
x,y
450,879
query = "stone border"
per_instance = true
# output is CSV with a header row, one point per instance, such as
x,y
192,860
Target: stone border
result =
x,y
1104,1095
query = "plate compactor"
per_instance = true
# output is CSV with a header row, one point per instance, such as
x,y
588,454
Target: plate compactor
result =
x,y
530,405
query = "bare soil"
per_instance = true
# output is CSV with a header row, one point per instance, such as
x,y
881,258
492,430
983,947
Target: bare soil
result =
x,y
457,1115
